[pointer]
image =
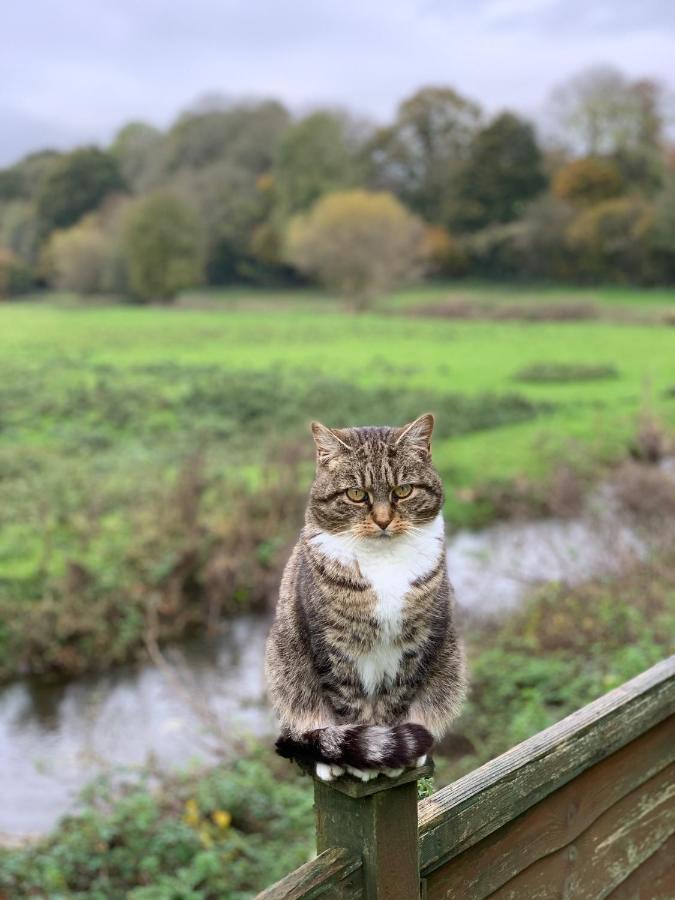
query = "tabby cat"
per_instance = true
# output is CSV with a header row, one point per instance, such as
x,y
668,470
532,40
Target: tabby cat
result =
x,y
363,663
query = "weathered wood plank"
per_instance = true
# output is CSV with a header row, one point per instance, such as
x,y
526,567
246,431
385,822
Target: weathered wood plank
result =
x,y
354,787
603,856
654,879
465,812
555,821
327,876
382,827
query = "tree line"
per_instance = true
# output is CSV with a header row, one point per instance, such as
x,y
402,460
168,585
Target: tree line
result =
x,y
247,192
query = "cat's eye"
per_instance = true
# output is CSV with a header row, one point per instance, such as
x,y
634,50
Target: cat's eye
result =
x,y
402,490
356,495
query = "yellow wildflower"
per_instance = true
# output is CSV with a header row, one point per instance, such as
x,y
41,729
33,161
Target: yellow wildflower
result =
x,y
221,818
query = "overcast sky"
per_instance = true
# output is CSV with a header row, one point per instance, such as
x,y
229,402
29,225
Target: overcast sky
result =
x,y
73,71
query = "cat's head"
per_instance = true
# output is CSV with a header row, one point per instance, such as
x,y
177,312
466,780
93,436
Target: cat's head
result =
x,y
376,481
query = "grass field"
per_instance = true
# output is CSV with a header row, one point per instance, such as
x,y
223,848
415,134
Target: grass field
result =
x,y
102,405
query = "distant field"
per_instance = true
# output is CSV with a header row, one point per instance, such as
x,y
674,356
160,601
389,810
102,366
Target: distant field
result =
x,y
58,350
101,406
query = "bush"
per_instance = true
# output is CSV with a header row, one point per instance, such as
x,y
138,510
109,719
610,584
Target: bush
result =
x,y
610,241
564,648
75,259
226,834
359,243
15,275
561,373
162,247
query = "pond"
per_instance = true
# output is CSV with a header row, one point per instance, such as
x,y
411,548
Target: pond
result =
x,y
55,738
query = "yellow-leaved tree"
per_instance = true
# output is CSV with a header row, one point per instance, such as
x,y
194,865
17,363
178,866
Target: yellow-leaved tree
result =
x,y
358,243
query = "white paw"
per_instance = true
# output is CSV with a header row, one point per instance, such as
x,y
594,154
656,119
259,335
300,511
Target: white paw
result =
x,y
392,773
328,771
421,760
323,771
363,774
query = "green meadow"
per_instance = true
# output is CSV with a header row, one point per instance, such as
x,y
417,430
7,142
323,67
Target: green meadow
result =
x,y
108,410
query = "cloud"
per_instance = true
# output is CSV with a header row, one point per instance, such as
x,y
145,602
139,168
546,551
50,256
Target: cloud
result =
x,y
75,70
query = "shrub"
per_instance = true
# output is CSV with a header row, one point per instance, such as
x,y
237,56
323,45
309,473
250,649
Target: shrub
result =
x,y
610,241
564,648
15,275
559,373
162,247
74,259
228,833
359,243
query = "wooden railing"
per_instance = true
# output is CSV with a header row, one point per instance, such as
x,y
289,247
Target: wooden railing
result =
x,y
584,809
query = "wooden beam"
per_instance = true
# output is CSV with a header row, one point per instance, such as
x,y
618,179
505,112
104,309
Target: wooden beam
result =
x,y
465,812
330,875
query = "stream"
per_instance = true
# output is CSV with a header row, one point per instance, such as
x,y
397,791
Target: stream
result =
x,y
54,738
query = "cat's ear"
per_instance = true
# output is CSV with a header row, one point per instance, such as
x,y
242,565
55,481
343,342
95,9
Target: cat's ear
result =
x,y
418,433
329,443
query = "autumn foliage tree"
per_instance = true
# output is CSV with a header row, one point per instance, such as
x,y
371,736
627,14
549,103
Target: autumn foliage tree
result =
x,y
584,182
359,243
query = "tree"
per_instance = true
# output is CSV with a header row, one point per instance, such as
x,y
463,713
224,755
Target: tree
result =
x,y
137,149
76,184
602,113
15,275
231,204
23,180
246,135
162,247
419,157
75,258
358,243
316,155
662,234
503,172
19,229
584,182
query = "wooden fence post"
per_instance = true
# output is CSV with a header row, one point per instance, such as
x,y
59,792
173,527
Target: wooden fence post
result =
x,y
376,820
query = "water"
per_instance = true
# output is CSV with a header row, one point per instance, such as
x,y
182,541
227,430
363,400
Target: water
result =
x,y
55,738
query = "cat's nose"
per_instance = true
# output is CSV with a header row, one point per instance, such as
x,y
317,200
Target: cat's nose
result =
x,y
382,515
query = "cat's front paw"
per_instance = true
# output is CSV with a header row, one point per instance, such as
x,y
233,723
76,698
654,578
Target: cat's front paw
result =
x,y
363,774
328,771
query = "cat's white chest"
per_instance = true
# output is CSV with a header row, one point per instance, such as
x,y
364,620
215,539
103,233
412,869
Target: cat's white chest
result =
x,y
391,565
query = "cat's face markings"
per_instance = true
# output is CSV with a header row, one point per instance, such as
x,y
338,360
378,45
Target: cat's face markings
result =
x,y
374,481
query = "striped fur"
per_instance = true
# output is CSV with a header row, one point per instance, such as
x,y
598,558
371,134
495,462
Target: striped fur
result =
x,y
359,746
363,662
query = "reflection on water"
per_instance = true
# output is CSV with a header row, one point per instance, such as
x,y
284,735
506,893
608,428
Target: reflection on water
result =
x,y
54,739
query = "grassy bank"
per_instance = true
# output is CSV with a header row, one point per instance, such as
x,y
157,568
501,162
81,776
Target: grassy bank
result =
x,y
154,461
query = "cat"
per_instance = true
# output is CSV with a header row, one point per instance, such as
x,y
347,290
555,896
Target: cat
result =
x,y
363,664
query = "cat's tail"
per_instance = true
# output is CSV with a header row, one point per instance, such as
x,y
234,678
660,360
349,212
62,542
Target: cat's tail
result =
x,y
359,746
